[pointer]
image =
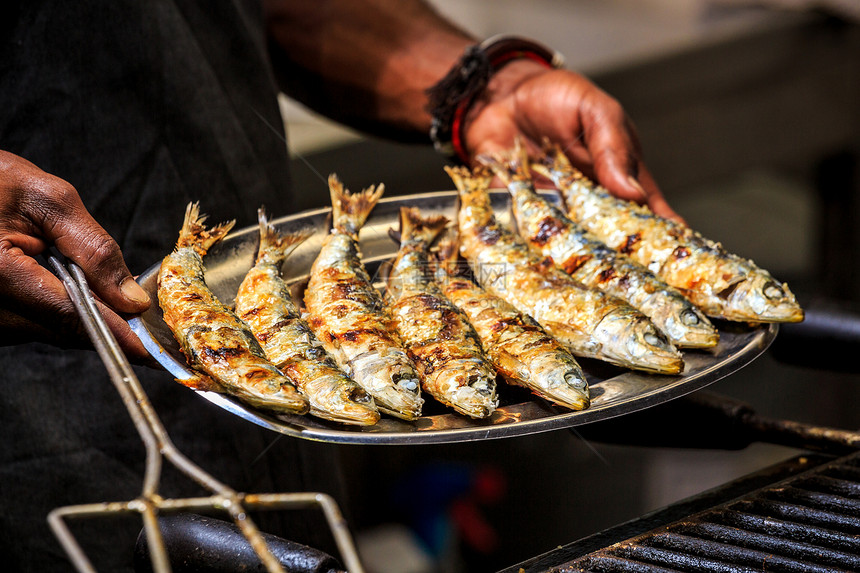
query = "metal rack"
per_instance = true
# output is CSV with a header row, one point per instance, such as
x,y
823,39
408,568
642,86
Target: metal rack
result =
x,y
149,504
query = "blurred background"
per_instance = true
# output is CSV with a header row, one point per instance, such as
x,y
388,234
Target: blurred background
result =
x,y
749,115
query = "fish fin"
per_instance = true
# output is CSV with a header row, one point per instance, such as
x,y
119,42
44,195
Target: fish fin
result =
x,y
574,338
275,246
202,382
417,228
510,366
195,234
446,254
466,181
351,210
447,250
394,235
384,270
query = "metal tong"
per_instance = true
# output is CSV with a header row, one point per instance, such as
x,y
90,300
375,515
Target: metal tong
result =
x,y
159,447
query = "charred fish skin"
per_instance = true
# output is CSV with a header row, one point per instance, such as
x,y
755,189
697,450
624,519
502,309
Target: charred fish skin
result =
x,y
217,344
589,322
550,232
721,284
346,312
441,342
265,304
519,348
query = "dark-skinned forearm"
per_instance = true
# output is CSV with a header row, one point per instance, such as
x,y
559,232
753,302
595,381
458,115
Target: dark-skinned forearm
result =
x,y
366,63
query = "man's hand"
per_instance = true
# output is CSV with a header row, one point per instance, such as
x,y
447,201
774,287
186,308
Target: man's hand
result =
x,y
369,63
38,210
525,99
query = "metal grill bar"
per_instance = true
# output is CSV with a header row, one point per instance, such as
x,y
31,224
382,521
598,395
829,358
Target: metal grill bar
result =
x,y
844,472
838,486
610,564
680,560
807,524
815,500
816,536
721,552
771,544
801,514
752,550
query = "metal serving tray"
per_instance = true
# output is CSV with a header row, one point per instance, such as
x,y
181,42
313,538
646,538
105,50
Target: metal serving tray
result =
x,y
614,391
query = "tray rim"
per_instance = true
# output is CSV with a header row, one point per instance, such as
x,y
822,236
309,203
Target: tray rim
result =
x,y
556,417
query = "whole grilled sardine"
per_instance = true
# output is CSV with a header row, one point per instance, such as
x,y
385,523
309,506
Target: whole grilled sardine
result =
x,y
550,232
520,349
217,344
589,322
721,284
265,304
346,312
441,342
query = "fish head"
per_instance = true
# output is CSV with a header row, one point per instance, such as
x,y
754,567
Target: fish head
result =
x,y
347,403
688,329
628,338
761,298
561,380
390,378
467,386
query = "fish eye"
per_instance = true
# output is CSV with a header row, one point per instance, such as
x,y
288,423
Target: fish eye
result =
x,y
408,383
359,395
652,338
572,378
689,318
773,291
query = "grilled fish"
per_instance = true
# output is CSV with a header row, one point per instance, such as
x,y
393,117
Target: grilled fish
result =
x,y
346,312
550,232
441,342
589,322
522,352
217,344
265,304
721,284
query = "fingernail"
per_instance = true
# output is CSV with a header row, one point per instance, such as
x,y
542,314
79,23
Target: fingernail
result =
x,y
133,291
635,184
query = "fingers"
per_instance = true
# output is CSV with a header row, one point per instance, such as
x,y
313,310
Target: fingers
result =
x,y
38,210
655,200
75,233
616,156
613,146
17,329
125,337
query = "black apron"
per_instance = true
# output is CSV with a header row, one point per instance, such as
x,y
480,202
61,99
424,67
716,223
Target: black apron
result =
x,y
143,106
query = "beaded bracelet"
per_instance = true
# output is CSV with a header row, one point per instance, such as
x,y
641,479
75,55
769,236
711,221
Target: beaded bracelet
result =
x,y
450,98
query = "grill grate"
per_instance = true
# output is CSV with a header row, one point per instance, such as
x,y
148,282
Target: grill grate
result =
x,y
808,523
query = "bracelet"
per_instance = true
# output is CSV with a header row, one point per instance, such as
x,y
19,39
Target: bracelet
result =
x,y
451,97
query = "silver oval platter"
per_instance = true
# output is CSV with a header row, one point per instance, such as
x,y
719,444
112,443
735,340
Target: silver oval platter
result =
x,y
614,391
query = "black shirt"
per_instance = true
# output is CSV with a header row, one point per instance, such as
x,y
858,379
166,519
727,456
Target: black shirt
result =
x,y
143,106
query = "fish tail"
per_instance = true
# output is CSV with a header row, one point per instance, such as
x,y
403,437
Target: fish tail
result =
x,y
511,165
416,228
351,210
553,160
470,182
194,233
275,246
